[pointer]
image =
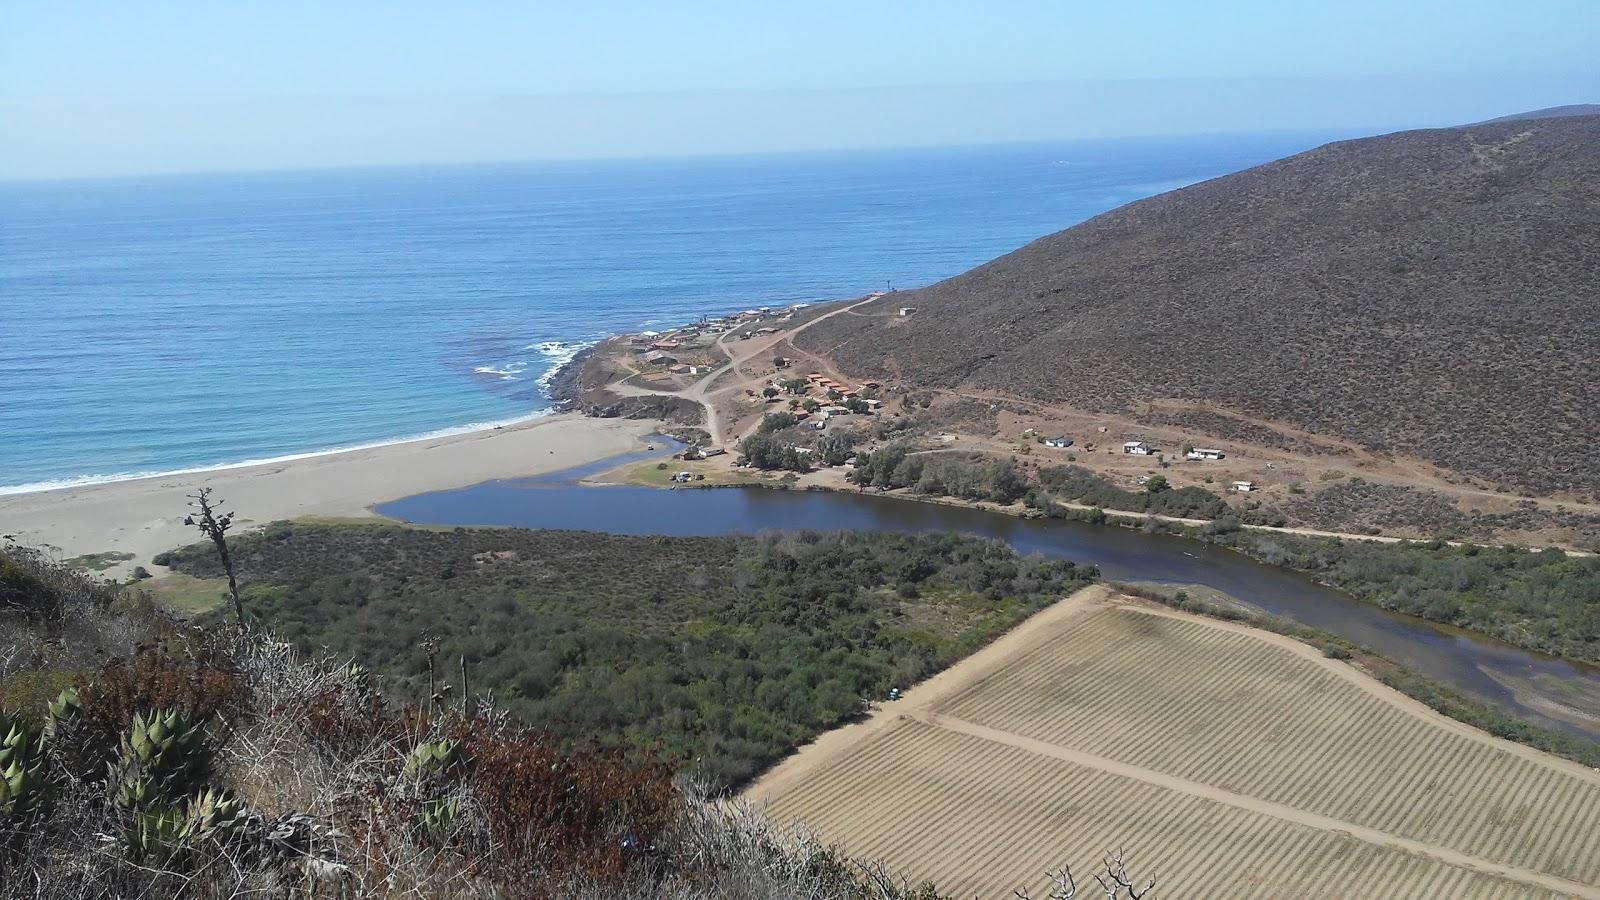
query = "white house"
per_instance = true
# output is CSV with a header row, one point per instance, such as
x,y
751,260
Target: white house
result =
x,y
1243,487
1137,448
1059,442
1204,453
908,310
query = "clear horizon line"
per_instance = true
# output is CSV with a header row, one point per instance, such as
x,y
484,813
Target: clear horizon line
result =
x,y
1362,131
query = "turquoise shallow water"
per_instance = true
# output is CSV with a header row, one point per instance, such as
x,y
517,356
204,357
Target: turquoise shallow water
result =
x,y
161,324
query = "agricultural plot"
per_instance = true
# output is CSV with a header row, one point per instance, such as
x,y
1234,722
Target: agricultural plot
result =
x,y
1228,762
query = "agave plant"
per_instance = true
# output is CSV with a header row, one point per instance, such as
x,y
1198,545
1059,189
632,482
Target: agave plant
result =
x,y
156,834
64,709
432,758
163,756
79,745
165,832
438,815
215,815
22,778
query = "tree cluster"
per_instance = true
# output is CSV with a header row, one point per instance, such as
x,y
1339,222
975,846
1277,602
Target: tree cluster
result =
x,y
766,451
967,477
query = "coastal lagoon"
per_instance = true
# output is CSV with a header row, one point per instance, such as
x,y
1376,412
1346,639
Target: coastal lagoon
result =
x,y
163,324
1530,685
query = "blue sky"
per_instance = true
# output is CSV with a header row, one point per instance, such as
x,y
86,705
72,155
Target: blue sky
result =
x,y
90,88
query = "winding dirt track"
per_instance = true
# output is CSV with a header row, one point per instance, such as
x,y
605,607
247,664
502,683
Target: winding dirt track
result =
x,y
1229,762
700,392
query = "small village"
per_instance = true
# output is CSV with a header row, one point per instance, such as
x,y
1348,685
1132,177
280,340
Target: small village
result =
x,y
742,368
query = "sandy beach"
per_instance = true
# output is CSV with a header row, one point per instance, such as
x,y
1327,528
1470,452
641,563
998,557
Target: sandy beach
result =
x,y
145,516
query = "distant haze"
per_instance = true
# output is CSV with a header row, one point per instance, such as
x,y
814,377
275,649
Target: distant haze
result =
x,y
101,88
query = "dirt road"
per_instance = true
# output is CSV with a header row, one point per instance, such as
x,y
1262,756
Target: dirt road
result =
x,y
700,392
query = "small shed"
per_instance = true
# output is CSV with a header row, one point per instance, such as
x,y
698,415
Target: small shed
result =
x,y
1204,453
1243,487
1059,442
1137,448
908,310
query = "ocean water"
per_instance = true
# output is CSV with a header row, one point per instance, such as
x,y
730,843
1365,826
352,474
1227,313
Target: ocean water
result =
x,y
174,323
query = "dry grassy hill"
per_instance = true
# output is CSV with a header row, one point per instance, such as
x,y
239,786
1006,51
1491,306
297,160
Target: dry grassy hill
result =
x,y
1427,292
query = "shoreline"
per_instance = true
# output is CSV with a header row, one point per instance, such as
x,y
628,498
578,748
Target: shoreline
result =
x,y
82,481
144,516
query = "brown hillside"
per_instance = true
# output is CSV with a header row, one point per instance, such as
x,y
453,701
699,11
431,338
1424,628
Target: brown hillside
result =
x,y
1430,292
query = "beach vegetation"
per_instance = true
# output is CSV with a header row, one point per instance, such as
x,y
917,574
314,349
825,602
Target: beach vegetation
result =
x,y
98,562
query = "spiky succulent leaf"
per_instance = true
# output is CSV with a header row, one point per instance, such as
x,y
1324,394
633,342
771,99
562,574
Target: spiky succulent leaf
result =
x,y
432,758
216,815
163,757
157,834
22,777
438,815
64,709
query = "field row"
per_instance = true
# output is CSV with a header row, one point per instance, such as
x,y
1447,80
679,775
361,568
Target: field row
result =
x,y
980,818
1228,709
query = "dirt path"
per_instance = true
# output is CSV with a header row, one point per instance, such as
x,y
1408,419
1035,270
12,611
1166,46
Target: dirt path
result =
x,y
700,392
920,704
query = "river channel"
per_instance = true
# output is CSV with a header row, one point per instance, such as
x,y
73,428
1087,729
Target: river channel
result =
x,y
1544,690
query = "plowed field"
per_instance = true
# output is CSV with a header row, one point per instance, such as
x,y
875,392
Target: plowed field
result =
x,y
1227,761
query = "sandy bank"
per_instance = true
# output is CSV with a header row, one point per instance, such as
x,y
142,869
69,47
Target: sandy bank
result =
x,y
145,516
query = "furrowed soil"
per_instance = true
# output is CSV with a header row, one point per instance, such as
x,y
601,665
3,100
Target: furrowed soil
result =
x,y
1227,761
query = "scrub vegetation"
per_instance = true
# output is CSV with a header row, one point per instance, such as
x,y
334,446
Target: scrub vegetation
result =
x,y
146,757
1543,600
1079,485
720,653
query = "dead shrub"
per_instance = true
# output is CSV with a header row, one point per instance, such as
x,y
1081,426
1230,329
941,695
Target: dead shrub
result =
x,y
203,683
